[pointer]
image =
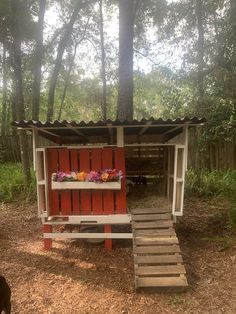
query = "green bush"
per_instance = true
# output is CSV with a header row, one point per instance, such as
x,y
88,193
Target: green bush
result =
x,y
215,183
12,183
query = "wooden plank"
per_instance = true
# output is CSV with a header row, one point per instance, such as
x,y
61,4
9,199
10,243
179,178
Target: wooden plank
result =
x,y
150,217
96,165
119,155
155,232
161,249
85,196
158,259
162,282
149,210
75,185
52,166
74,166
64,165
108,196
152,224
160,270
156,241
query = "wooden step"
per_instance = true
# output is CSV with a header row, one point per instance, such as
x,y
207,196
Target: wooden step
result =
x,y
148,211
160,270
160,249
161,282
153,224
156,240
158,259
151,217
155,232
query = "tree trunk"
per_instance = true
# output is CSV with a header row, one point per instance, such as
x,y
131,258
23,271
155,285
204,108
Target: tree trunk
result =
x,y
125,91
103,64
38,62
4,92
18,84
67,81
200,56
60,51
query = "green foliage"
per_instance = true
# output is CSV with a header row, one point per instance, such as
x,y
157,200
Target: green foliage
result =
x,y
12,183
212,184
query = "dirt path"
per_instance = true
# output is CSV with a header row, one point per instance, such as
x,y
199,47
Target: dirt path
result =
x,y
76,277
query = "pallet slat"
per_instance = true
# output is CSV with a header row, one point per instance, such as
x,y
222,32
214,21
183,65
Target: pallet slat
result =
x,y
155,232
157,249
156,241
160,270
151,217
148,210
162,282
153,224
159,259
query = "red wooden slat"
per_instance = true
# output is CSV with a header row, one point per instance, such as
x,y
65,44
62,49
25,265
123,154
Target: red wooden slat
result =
x,y
53,196
64,165
108,196
85,196
120,195
74,165
96,164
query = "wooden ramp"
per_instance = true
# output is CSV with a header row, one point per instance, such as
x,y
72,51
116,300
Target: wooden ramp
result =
x,y
157,257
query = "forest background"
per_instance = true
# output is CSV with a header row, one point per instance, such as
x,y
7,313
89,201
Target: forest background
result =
x,y
74,59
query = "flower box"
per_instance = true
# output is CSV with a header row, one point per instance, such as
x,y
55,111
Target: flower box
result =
x,y
69,185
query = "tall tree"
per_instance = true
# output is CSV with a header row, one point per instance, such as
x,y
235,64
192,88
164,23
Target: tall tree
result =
x,y
38,56
126,34
103,63
17,7
200,54
60,51
4,92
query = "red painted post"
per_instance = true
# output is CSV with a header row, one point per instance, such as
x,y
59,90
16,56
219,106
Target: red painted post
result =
x,y
108,242
47,243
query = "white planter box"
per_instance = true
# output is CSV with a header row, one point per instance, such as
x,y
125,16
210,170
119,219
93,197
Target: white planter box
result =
x,y
86,185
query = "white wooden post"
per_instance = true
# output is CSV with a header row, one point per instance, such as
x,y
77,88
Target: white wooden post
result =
x,y
120,136
185,132
174,180
35,143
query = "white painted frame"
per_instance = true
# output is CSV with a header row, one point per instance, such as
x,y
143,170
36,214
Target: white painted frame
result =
x,y
87,235
180,179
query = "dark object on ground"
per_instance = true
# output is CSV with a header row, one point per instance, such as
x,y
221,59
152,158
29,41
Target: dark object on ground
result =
x,y
5,296
138,180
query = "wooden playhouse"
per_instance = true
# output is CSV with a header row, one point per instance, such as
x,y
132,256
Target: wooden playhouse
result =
x,y
152,149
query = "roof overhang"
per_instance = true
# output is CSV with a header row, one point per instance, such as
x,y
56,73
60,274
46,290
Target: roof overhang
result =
x,y
145,130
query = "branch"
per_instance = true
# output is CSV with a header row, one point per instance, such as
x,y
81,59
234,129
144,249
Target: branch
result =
x,y
145,56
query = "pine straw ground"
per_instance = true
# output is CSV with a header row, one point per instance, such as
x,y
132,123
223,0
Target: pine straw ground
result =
x,y
77,277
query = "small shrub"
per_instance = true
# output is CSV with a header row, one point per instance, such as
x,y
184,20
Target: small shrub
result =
x,y
215,183
12,183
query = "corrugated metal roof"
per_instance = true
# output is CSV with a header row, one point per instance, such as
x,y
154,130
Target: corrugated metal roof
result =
x,y
73,132
82,124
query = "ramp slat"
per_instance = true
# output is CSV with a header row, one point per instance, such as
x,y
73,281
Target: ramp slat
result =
x,y
160,259
151,217
157,249
160,270
148,210
162,282
153,224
